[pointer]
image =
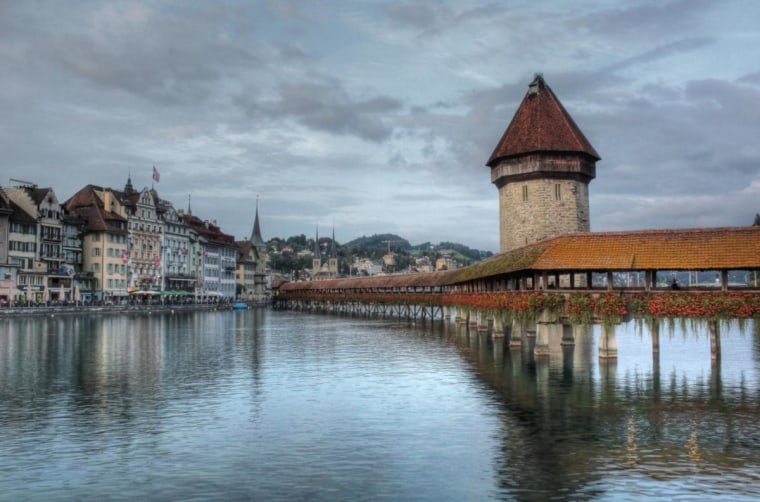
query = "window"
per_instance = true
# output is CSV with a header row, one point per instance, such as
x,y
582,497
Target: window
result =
x,y
95,237
525,193
557,191
95,252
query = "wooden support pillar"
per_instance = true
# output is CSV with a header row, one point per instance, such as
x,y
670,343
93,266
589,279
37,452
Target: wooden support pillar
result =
x,y
541,348
654,329
472,319
714,329
485,324
567,335
497,331
517,332
543,328
607,342
498,352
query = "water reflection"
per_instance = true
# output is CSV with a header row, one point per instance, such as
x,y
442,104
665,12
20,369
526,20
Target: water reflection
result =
x,y
268,405
572,422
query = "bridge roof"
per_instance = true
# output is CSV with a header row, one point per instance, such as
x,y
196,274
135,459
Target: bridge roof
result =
x,y
541,124
729,248
680,249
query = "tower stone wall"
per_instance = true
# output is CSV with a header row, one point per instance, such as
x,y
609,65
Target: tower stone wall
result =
x,y
537,209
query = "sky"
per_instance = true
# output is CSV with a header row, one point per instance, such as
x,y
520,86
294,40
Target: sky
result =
x,y
371,116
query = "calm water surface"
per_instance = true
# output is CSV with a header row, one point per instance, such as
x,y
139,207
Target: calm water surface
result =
x,y
265,405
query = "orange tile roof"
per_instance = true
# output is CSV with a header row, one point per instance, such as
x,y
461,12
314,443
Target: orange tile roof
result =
x,y
728,248
686,249
541,124
680,249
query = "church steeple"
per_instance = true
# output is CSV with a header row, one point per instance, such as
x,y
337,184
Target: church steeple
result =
x,y
316,261
128,188
332,261
256,238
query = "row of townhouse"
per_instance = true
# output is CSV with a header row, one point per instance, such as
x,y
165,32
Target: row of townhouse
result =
x,y
104,244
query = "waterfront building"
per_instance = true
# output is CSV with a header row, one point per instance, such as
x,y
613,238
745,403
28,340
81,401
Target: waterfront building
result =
x,y
177,260
71,249
105,256
445,262
251,265
39,243
146,234
542,166
7,270
23,238
216,259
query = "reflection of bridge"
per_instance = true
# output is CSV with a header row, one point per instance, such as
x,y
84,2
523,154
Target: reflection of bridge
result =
x,y
626,264
564,422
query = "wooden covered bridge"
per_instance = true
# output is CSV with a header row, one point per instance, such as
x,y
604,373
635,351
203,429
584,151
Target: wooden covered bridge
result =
x,y
689,260
705,273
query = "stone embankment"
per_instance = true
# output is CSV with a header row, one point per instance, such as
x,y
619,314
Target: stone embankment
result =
x,y
22,311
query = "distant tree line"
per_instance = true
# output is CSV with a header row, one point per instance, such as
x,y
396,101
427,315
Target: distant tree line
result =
x,y
286,259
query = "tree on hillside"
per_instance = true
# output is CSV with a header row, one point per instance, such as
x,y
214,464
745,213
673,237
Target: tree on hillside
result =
x,y
757,221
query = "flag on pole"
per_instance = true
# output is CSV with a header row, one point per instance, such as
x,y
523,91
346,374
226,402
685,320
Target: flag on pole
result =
x,y
156,176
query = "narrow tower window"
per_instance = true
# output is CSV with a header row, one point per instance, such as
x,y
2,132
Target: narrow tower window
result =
x,y
558,191
525,193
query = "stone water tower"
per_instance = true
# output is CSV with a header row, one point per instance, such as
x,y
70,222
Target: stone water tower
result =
x,y
542,167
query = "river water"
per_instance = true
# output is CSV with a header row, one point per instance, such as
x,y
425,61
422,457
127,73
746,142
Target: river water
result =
x,y
270,405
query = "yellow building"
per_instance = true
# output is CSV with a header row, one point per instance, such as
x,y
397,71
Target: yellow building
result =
x,y
104,245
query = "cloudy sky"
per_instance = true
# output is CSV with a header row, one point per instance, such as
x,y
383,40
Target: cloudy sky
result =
x,y
378,116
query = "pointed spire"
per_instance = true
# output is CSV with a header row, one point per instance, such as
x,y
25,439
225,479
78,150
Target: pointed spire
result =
x,y
189,211
316,242
541,124
128,188
256,234
333,249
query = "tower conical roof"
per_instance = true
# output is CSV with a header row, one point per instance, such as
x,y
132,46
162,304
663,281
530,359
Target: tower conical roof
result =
x,y
541,124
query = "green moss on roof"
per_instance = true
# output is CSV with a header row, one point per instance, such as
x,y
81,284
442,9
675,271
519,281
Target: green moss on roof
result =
x,y
519,259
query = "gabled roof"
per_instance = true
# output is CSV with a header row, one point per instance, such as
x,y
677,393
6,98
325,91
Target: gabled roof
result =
x,y
87,205
20,214
541,124
5,203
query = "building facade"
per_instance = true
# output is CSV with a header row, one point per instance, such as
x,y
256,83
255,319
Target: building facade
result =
x,y
177,260
104,275
146,236
7,270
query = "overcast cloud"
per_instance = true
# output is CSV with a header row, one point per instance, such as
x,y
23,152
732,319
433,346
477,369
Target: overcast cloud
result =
x,y
379,116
